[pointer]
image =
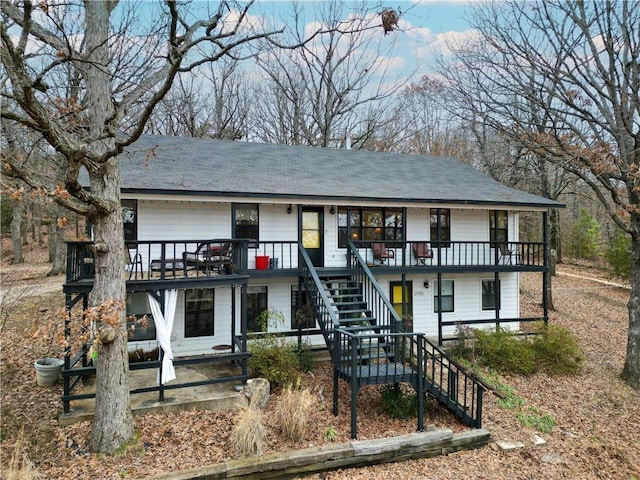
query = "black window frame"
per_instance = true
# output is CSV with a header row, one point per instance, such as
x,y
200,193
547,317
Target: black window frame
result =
x,y
257,302
498,232
137,307
298,306
452,296
130,211
440,227
488,294
203,324
384,224
251,229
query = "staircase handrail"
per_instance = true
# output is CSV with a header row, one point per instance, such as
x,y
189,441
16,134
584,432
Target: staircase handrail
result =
x,y
354,254
313,284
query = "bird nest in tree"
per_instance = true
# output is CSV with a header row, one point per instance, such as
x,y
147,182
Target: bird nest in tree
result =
x,y
389,20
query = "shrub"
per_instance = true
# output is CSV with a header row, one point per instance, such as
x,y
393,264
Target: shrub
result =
x,y
463,347
505,352
272,357
305,359
618,254
247,436
275,360
557,351
293,411
399,402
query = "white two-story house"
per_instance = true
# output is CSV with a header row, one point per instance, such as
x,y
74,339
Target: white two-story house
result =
x,y
237,228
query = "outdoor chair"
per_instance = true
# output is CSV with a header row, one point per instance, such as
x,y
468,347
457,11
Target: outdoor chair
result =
x,y
133,262
208,256
422,252
507,255
381,253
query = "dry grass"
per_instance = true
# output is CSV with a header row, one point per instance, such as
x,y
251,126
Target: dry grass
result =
x,y
248,434
20,466
293,412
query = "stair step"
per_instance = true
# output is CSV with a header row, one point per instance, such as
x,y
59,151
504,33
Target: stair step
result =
x,y
352,320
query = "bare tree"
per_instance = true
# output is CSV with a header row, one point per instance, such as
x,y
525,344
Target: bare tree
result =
x,y
214,103
119,73
333,87
562,79
123,75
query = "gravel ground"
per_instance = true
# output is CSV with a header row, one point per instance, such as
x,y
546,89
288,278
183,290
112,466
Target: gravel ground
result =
x,y
597,435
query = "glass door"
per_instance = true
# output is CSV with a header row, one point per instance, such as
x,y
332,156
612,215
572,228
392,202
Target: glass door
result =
x,y
311,233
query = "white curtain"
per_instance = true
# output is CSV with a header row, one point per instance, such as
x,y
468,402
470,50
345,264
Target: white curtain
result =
x,y
164,325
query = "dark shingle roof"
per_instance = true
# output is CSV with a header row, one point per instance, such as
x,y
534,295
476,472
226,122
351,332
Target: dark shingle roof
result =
x,y
197,166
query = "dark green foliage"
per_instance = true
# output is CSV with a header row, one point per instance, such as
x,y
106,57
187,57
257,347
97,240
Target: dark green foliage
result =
x,y
557,351
274,359
505,352
584,237
399,402
551,349
618,254
305,359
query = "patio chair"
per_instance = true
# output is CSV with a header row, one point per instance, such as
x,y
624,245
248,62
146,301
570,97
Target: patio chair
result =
x,y
507,256
381,253
422,252
133,262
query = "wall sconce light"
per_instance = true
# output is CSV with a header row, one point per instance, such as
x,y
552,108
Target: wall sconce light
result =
x,y
426,284
289,209
332,210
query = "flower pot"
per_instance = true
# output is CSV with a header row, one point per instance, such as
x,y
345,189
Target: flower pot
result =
x,y
48,371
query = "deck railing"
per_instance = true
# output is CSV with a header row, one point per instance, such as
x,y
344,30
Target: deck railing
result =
x,y
452,254
170,259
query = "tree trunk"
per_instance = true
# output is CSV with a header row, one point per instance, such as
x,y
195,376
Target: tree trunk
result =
x,y
16,232
113,423
631,370
57,247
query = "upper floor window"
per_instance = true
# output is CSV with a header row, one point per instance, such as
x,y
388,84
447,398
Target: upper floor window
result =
x,y
371,224
247,221
498,226
440,219
130,220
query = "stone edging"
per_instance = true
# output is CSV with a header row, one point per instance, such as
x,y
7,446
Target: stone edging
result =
x,y
344,455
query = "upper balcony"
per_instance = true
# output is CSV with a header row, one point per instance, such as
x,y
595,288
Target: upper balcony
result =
x,y
227,260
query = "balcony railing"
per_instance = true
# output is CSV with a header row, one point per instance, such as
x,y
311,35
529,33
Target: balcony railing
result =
x,y
171,259
452,254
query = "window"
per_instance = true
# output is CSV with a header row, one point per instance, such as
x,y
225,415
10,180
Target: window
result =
x,y
198,313
247,221
256,304
446,300
489,295
441,227
301,312
130,220
498,226
137,308
372,224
